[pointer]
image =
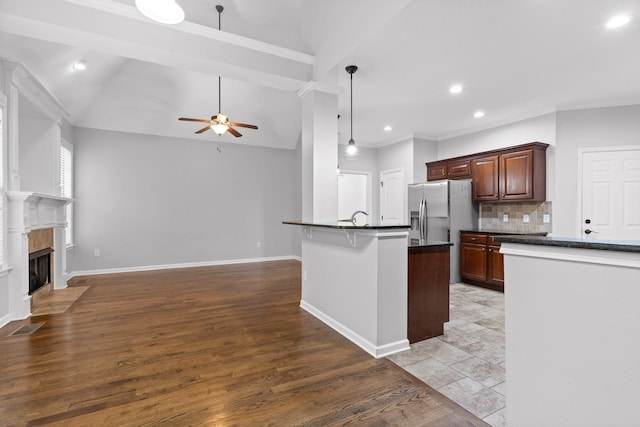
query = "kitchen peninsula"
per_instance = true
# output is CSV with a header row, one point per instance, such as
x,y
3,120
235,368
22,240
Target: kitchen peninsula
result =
x,y
572,322
354,278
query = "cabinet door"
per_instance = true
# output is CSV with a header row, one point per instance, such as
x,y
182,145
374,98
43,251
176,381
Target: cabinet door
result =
x,y
495,265
485,179
436,172
516,175
473,261
459,169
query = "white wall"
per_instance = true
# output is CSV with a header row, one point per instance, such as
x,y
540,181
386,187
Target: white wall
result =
x,y
423,151
146,201
38,156
598,127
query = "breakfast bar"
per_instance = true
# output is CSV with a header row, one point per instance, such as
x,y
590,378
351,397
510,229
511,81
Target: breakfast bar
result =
x,y
572,331
354,279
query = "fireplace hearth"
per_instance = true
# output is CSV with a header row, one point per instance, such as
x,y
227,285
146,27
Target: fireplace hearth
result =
x,y
39,269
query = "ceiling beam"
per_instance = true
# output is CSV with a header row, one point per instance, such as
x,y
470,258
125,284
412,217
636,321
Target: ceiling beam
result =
x,y
119,29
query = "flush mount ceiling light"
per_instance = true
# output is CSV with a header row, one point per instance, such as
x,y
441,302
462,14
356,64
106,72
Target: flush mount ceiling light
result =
x,y
388,129
220,123
79,66
618,21
351,147
455,89
163,11
478,114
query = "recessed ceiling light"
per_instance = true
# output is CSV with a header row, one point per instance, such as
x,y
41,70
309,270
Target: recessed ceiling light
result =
x,y
388,128
478,114
455,89
79,66
618,21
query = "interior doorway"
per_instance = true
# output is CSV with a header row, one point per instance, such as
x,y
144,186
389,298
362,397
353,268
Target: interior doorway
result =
x,y
610,182
354,193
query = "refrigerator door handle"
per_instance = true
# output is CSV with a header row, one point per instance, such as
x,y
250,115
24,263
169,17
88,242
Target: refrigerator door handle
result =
x,y
425,227
420,219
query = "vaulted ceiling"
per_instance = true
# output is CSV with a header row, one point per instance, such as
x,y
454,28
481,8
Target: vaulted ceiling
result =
x,y
514,58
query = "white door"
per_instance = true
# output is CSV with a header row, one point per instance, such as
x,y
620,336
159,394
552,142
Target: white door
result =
x,y
611,193
353,193
392,197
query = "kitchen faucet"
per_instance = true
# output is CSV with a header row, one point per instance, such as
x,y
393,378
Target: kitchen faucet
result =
x,y
353,217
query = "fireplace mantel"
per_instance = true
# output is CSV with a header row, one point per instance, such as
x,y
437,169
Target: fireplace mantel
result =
x,y
27,211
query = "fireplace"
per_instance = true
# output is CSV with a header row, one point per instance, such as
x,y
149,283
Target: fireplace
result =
x,y
39,269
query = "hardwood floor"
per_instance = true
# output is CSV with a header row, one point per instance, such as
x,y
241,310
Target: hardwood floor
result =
x,y
224,345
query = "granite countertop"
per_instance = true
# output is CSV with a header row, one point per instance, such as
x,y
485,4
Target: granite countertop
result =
x,y
568,242
419,243
506,233
346,225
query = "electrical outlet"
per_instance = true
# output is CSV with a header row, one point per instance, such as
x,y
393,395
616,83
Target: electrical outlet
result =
x,y
96,252
546,218
525,218
505,218
258,245
304,275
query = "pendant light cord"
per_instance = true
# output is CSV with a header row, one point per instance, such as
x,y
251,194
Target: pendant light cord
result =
x,y
351,106
219,9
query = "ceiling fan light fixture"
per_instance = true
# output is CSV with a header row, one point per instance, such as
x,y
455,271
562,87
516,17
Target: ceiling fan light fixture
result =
x,y
219,128
162,11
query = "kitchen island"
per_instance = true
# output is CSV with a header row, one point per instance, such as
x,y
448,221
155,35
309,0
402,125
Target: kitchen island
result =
x,y
354,279
572,322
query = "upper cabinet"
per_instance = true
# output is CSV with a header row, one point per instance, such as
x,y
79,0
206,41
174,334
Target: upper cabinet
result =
x,y
449,169
512,174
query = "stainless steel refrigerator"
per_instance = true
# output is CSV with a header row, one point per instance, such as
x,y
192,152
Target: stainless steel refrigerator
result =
x,y
438,211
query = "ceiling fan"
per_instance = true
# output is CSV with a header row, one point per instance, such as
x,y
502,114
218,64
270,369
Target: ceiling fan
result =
x,y
219,123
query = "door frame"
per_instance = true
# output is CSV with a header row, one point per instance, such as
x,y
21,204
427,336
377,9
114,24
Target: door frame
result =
x,y
581,152
369,189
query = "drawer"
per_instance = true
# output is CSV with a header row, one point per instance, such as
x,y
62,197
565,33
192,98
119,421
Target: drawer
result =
x,y
473,238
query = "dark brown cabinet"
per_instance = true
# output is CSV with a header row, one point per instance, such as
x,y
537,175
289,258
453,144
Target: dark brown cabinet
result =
x,y
511,174
481,262
514,175
428,291
449,169
485,173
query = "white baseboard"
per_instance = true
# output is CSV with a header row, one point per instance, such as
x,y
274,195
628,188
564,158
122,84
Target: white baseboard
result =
x,y
376,351
181,265
5,319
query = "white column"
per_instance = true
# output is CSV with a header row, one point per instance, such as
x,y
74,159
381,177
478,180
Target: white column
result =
x,y
18,258
319,156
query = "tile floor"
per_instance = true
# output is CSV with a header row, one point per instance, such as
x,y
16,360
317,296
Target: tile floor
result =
x,y
466,364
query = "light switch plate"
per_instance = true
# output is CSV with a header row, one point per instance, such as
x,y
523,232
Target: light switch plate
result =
x,y
505,218
546,218
525,218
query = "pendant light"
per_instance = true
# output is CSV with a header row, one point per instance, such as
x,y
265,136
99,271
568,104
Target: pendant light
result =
x,y
351,147
162,11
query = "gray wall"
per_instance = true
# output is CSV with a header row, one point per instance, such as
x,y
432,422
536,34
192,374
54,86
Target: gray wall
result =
x,y
148,201
576,129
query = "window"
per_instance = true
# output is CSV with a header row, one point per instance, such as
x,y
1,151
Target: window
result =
x,y
66,185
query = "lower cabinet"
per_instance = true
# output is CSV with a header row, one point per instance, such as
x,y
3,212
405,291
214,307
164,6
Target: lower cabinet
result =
x,y
481,262
428,291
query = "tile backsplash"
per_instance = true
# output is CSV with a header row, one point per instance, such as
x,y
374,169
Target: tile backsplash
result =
x,y
491,216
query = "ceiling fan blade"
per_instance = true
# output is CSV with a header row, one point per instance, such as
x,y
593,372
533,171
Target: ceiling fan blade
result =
x,y
204,129
243,125
194,120
234,132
